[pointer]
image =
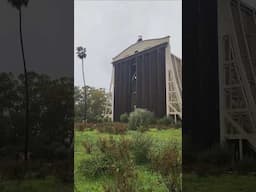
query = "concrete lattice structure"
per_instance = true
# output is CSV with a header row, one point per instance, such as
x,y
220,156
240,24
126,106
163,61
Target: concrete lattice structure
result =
x,y
147,75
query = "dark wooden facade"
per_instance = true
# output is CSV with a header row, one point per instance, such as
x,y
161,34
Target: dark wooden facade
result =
x,y
200,78
150,88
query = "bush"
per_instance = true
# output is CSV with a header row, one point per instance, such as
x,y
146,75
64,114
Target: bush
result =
x,y
174,181
167,161
104,143
97,165
87,146
91,125
119,128
166,120
79,126
140,119
112,128
124,117
105,127
141,147
122,167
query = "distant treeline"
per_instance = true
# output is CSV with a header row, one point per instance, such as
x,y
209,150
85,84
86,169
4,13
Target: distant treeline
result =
x,y
51,115
97,102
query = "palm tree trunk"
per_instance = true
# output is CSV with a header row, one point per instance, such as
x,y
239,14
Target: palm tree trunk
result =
x,y
85,104
26,91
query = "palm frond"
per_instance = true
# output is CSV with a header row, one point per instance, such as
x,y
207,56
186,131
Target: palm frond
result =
x,y
18,3
81,52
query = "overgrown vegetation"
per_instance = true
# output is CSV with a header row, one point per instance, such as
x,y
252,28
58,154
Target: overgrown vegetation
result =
x,y
166,120
113,158
167,161
140,119
95,166
124,118
122,163
141,147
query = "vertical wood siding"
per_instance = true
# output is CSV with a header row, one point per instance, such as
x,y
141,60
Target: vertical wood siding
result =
x,y
151,83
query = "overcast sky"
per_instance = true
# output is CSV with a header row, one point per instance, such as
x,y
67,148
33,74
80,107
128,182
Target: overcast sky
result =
x,y
46,27
106,28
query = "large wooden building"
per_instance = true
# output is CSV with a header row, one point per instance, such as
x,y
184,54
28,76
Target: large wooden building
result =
x,y
146,75
219,73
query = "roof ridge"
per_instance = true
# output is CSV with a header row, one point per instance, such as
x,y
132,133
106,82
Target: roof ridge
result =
x,y
168,36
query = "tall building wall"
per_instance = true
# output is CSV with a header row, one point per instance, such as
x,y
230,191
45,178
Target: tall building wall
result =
x,y
150,82
200,79
219,81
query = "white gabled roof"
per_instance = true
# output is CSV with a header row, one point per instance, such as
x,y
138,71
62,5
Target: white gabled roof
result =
x,y
141,46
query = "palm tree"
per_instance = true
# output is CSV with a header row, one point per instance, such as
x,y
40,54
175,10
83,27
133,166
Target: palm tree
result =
x,y
81,54
18,4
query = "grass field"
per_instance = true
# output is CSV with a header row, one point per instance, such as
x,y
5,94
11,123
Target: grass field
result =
x,y
151,181
148,180
35,185
223,183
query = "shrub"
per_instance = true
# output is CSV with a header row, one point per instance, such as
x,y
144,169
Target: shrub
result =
x,y
112,128
115,149
149,181
141,147
166,120
119,128
114,158
104,143
166,160
105,127
174,181
79,126
87,146
142,128
97,165
124,117
125,179
123,168
140,119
